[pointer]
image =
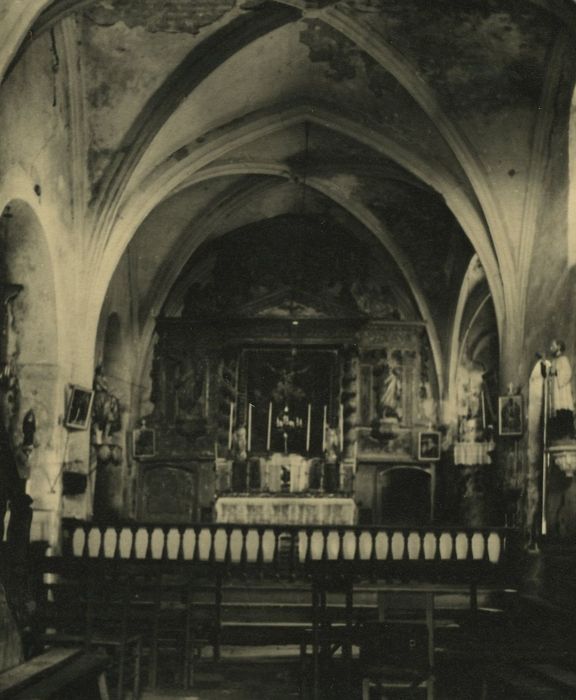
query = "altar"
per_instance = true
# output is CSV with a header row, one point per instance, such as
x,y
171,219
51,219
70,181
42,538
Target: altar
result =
x,y
279,474
285,510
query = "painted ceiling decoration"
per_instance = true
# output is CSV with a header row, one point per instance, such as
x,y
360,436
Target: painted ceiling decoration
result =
x,y
291,267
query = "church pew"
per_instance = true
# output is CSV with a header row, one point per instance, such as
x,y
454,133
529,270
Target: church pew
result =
x,y
91,610
57,674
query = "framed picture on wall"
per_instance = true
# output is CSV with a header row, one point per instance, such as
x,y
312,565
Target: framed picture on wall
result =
x,y
510,415
79,409
143,442
429,443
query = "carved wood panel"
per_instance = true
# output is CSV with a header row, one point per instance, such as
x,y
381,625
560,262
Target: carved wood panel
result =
x,y
168,493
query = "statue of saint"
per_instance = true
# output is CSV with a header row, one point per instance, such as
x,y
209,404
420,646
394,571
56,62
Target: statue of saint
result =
x,y
561,423
332,444
240,445
391,393
106,417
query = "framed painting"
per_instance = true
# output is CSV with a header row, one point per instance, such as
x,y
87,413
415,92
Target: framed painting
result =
x,y
143,443
510,415
79,409
429,446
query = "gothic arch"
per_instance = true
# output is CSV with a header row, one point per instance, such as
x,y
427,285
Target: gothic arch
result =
x,y
33,335
174,175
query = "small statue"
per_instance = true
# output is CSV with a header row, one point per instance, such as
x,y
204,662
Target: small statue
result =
x,y
390,398
105,410
332,445
240,445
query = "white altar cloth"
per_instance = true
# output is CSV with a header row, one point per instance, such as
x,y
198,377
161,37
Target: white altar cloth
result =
x,y
279,510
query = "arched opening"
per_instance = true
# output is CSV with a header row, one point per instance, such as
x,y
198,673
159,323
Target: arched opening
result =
x,y
108,438
30,350
475,391
404,496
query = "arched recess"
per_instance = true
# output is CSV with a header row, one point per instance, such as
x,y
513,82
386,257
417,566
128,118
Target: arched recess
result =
x,y
109,462
32,343
474,358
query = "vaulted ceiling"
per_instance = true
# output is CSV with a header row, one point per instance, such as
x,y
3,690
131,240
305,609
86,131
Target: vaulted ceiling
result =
x,y
203,118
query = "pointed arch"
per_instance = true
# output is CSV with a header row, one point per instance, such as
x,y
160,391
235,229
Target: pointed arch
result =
x,y
175,174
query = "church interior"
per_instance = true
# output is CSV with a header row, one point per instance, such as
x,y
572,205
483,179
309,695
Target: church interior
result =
x,y
286,346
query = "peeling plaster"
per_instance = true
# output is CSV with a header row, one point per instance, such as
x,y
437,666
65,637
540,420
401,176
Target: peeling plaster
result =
x,y
172,16
345,61
476,55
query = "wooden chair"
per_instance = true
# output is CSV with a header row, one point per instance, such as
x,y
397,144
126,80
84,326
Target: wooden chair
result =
x,y
326,638
174,630
94,611
397,656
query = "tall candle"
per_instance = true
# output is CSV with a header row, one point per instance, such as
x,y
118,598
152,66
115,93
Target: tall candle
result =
x,y
308,424
341,427
230,424
324,429
269,434
249,427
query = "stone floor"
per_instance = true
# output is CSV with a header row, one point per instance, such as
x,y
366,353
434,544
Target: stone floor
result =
x,y
266,673
254,674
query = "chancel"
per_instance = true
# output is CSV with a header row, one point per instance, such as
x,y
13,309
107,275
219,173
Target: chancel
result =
x,y
287,349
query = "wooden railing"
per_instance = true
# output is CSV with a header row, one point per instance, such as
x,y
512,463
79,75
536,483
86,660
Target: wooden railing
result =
x,y
292,548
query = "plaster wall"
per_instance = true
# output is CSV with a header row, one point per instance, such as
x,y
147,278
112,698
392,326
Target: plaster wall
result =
x,y
124,65
46,257
35,166
503,143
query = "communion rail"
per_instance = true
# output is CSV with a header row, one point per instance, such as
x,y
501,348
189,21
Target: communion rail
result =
x,y
432,553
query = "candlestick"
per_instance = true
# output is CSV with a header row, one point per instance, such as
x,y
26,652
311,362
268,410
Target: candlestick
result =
x,y
341,425
249,427
324,429
269,434
308,424
230,424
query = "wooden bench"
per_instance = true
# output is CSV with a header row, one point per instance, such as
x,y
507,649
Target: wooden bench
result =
x,y
92,612
58,674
